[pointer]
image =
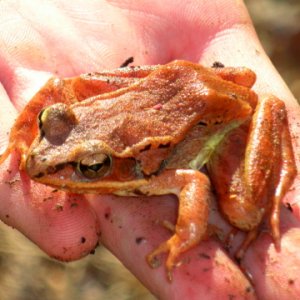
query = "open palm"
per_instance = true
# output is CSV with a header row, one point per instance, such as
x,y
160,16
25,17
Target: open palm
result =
x,y
39,39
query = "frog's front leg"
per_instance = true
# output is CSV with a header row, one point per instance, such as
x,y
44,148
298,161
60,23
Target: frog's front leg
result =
x,y
193,190
253,169
25,128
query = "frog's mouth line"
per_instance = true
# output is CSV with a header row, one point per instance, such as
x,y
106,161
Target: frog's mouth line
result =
x,y
50,170
103,186
66,177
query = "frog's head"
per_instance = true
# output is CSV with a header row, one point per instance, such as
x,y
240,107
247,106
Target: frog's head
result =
x,y
65,158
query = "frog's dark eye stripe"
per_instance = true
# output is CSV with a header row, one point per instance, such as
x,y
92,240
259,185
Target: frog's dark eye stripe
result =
x,y
40,122
146,148
95,166
202,123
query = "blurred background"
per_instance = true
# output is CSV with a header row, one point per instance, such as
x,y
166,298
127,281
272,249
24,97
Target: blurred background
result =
x,y
27,274
277,23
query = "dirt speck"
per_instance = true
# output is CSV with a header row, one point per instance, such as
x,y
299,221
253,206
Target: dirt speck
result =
x,y
139,240
204,255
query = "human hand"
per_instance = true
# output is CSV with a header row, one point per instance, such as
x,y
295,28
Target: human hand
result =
x,y
39,39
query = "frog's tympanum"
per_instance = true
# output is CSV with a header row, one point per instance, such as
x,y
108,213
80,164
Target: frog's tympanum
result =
x,y
149,130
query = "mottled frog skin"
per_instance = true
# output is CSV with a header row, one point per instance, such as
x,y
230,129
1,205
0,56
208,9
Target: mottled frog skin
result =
x,y
149,130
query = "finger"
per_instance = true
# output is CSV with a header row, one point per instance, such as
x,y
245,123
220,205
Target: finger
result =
x,y
131,228
62,225
246,50
7,117
275,273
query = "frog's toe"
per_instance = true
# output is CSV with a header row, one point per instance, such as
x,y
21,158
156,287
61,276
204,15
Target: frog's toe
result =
x,y
174,246
152,258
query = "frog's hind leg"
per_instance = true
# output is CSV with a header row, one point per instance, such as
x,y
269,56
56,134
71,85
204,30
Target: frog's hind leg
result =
x,y
254,169
272,174
284,175
193,191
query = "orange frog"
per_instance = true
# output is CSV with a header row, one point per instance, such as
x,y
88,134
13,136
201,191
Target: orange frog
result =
x,y
149,130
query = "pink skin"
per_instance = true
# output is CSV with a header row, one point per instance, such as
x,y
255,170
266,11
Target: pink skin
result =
x,y
38,40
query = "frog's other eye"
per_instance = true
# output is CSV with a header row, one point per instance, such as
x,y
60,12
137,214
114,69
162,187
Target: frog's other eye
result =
x,y
95,166
56,122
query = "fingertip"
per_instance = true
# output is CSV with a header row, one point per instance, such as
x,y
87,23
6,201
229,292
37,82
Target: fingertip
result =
x,y
269,266
70,230
62,225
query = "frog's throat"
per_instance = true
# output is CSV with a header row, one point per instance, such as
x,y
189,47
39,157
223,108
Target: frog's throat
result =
x,y
211,144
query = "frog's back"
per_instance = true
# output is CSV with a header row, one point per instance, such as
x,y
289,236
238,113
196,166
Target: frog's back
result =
x,y
164,106
146,120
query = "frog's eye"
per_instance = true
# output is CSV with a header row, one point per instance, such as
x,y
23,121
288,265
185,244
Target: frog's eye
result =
x,y
56,122
95,166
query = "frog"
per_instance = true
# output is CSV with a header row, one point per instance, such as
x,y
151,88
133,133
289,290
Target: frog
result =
x,y
150,130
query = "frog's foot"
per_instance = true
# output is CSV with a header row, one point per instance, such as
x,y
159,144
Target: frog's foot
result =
x,y
176,245
15,145
168,225
5,154
193,191
250,237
